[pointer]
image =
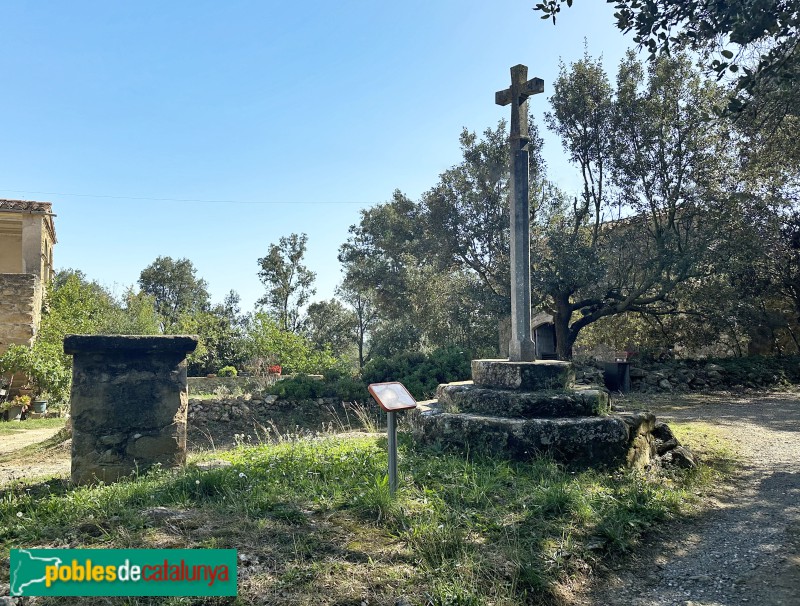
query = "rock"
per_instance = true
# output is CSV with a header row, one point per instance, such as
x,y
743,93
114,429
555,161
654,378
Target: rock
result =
x,y
680,457
664,447
603,441
637,373
167,514
526,376
714,368
468,398
215,464
665,384
113,439
662,432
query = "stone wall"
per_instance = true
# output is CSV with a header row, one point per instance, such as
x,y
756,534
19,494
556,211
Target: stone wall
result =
x,y
20,309
754,372
231,385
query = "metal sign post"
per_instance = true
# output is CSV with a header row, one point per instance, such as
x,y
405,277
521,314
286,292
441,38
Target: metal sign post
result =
x,y
392,397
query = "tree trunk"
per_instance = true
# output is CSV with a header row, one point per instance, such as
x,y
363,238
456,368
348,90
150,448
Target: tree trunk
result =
x,y
564,337
360,348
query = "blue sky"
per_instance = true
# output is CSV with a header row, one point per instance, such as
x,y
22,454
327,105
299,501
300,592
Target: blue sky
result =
x,y
208,130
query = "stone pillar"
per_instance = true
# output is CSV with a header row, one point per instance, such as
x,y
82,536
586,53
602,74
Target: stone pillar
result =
x,y
128,404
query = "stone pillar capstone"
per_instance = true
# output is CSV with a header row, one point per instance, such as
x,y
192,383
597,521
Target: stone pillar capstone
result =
x,y
128,404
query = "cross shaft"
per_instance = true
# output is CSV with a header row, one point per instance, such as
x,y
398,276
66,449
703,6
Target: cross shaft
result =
x,y
521,347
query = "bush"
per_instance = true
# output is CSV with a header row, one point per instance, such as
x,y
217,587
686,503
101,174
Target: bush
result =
x,y
44,366
420,373
227,371
300,387
333,385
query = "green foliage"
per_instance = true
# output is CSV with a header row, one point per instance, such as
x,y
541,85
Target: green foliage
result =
x,y
74,305
175,289
43,365
293,352
227,371
289,283
221,335
655,199
420,373
754,39
331,324
411,272
334,385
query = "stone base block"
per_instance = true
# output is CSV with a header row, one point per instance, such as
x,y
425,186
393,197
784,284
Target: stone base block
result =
x,y
524,376
129,404
469,398
611,441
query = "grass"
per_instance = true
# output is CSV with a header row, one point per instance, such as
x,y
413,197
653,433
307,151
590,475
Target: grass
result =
x,y
316,524
14,427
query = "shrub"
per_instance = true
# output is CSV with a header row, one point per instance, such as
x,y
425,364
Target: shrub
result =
x,y
43,365
420,373
227,371
300,387
334,385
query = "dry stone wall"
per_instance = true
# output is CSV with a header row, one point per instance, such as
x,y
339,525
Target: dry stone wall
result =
x,y
20,309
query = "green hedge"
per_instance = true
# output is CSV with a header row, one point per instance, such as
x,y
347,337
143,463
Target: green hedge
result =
x,y
420,373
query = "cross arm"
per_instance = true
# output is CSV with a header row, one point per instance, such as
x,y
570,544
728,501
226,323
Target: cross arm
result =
x,y
533,86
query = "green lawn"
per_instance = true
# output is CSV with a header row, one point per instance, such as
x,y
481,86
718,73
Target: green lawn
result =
x,y
315,523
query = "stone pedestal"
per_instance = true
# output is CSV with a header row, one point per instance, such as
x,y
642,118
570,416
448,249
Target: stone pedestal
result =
x,y
128,404
524,409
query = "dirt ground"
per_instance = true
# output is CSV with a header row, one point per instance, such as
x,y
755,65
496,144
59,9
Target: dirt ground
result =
x,y
745,547
55,462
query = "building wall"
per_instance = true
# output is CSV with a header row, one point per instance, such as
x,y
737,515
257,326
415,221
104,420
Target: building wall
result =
x,y
26,245
20,309
10,245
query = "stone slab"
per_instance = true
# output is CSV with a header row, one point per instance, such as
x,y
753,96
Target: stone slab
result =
x,y
523,376
161,344
469,398
611,441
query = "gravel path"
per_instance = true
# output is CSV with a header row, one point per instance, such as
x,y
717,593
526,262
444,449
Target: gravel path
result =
x,y
744,549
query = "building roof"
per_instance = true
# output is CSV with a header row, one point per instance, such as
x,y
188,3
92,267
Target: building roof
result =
x,y
26,206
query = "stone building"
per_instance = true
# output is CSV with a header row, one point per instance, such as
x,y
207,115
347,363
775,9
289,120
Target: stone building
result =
x,y
27,237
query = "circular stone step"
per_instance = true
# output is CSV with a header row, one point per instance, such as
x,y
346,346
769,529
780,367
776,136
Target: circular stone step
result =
x,y
524,376
612,441
469,398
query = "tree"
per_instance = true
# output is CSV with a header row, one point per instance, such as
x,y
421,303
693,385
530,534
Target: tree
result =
x,y
362,304
266,339
221,332
175,289
754,39
627,250
289,283
394,258
330,324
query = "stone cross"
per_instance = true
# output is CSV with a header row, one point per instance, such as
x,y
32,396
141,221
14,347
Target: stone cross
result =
x,y
521,347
